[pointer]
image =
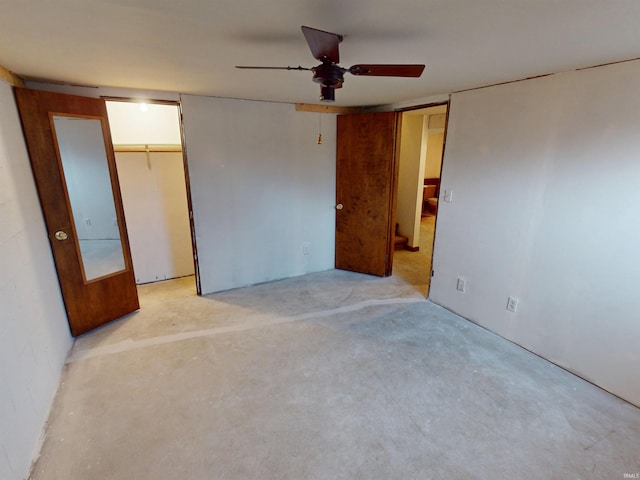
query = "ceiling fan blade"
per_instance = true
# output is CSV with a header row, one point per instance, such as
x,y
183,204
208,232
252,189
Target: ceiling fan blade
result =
x,y
377,70
272,68
323,45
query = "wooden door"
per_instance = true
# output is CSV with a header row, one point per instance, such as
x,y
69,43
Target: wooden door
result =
x,y
73,165
366,181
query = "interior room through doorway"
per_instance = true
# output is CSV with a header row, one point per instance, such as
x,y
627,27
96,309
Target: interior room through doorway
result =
x,y
419,167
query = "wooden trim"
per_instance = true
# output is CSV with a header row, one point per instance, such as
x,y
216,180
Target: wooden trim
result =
x,y
393,194
155,148
412,249
10,77
108,98
187,181
420,107
607,64
504,83
311,107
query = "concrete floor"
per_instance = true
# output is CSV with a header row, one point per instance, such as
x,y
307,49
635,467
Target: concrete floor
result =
x,y
332,375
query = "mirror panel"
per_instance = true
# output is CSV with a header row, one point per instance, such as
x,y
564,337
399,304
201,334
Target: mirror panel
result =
x,y
86,170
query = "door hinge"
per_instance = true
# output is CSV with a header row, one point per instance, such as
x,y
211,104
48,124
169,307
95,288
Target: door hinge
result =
x,y
433,273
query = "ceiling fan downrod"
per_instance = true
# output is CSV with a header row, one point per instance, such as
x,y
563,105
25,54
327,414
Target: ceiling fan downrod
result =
x,y
327,94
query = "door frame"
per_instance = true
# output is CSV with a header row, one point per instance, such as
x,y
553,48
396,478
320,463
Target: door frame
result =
x,y
185,164
400,111
192,224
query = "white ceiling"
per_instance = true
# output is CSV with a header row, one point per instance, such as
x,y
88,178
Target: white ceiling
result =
x,y
192,46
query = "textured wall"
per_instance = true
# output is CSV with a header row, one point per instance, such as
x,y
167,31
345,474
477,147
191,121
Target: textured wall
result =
x,y
34,334
261,189
545,175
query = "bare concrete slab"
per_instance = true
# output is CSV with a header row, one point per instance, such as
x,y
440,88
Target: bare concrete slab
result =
x,y
327,376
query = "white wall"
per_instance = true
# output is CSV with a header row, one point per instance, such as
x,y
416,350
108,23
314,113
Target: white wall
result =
x,y
545,175
261,187
34,334
154,196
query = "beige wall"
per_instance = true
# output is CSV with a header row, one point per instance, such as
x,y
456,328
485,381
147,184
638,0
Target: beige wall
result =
x,y
156,124
434,154
410,176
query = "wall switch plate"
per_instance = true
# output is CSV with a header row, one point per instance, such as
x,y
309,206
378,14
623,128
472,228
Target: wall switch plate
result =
x,y
461,285
512,304
448,196
306,248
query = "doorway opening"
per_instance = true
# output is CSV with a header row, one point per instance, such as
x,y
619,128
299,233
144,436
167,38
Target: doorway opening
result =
x,y
422,138
151,169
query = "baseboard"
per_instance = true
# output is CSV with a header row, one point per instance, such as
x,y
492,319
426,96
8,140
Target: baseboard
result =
x,y
411,249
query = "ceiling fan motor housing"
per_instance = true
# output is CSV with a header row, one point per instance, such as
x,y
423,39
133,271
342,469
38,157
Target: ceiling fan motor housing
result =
x,y
329,75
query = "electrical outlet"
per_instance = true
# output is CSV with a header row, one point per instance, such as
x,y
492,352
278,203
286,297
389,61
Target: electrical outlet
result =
x,y
306,248
87,221
448,196
461,285
512,304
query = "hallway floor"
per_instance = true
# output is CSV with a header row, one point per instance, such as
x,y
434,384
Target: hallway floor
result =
x,y
333,375
415,267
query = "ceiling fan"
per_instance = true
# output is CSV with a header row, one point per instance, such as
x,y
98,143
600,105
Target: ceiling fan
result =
x,y
324,47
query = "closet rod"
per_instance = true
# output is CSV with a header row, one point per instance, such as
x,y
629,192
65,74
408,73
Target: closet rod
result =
x,y
151,148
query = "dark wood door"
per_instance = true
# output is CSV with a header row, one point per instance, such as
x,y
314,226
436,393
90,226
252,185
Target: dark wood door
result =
x,y
73,165
366,181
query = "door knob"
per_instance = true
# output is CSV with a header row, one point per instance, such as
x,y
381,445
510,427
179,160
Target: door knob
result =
x,y
339,206
60,235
